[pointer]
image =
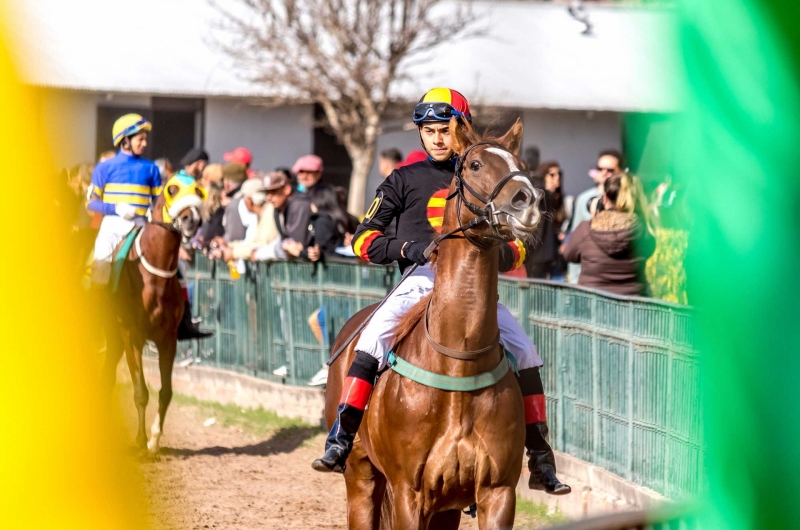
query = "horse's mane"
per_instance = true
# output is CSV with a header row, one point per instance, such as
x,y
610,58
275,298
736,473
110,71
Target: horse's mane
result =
x,y
409,321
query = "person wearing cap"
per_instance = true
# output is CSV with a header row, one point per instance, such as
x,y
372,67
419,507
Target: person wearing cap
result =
x,y
122,190
237,217
259,234
308,170
413,197
292,212
194,162
240,155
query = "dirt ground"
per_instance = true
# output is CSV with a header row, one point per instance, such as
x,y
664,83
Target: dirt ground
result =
x,y
226,468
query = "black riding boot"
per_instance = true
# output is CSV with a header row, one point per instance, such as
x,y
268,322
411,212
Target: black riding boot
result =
x,y
356,391
186,329
542,462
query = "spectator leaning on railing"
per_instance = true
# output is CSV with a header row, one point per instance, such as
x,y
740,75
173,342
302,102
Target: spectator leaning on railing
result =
x,y
292,214
327,227
237,218
609,162
613,246
254,197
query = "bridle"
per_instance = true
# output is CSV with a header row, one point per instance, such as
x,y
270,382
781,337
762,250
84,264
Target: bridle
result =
x,y
149,267
487,213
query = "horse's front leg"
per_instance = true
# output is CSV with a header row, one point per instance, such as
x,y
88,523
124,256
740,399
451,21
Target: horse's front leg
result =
x,y
407,512
167,348
365,490
134,342
496,507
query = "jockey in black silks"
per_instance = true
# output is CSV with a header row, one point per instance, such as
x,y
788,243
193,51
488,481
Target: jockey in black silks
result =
x,y
414,198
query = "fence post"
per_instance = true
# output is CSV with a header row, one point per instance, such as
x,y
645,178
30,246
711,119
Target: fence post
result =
x,y
288,329
561,366
630,389
668,406
595,383
217,310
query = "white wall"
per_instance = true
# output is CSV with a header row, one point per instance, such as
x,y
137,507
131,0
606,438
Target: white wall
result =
x,y
70,122
573,138
277,136
70,125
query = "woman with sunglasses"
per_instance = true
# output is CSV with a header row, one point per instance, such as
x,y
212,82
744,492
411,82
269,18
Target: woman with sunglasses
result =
x,y
544,258
609,162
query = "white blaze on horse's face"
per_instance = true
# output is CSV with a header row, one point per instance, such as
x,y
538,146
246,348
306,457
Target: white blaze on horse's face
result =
x,y
188,222
527,218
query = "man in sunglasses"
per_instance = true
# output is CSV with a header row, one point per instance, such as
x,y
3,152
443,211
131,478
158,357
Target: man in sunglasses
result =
x,y
609,162
413,198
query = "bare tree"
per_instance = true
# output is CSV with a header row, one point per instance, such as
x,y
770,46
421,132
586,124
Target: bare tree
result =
x,y
342,54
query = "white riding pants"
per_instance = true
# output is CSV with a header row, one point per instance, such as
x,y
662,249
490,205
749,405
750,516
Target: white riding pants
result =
x,y
113,230
377,338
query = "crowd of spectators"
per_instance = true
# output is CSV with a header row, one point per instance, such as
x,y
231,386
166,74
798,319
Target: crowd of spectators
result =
x,y
601,238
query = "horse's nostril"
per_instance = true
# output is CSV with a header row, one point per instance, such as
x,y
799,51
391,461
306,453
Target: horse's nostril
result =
x,y
521,199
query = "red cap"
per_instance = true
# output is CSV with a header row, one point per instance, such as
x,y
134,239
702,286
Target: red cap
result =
x,y
240,155
307,163
413,157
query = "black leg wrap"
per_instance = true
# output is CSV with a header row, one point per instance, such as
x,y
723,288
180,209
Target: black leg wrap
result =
x,y
186,329
364,366
348,419
542,461
530,382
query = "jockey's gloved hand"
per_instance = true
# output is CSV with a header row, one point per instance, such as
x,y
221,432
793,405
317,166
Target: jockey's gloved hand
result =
x,y
126,211
415,251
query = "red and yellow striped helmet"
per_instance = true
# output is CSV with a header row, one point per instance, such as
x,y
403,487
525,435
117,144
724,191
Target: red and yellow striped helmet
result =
x,y
441,104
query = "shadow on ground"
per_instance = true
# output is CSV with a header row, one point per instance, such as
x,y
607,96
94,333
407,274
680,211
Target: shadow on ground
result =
x,y
284,440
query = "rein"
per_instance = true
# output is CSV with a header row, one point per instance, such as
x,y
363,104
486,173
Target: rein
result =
x,y
463,355
488,213
146,264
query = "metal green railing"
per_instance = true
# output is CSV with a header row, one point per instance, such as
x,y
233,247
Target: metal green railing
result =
x,y
620,373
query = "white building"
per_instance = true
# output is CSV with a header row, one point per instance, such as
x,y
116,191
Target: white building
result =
x,y
95,60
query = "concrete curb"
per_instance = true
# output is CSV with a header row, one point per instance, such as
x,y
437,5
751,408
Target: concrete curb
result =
x,y
595,490
223,386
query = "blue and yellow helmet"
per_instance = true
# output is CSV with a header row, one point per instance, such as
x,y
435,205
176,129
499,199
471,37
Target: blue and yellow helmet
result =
x,y
129,125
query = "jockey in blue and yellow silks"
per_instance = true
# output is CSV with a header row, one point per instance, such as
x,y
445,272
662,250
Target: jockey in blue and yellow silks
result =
x,y
123,188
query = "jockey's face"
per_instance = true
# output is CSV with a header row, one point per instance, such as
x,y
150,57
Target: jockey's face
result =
x,y
437,140
138,143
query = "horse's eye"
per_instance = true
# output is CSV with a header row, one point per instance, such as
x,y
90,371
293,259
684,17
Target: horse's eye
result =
x,y
475,165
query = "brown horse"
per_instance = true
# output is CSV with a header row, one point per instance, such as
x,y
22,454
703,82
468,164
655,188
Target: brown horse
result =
x,y
149,305
434,452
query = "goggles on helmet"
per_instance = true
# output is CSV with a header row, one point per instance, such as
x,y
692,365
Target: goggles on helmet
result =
x,y
438,111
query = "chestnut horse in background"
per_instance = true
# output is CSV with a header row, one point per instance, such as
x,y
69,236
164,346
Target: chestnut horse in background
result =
x,y
149,304
434,452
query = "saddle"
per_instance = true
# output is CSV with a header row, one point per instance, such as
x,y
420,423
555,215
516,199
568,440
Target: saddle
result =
x,y
118,263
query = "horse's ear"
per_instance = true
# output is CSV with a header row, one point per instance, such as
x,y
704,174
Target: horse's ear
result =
x,y
462,135
513,138
172,191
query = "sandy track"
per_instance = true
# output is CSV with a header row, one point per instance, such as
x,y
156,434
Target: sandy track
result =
x,y
231,477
